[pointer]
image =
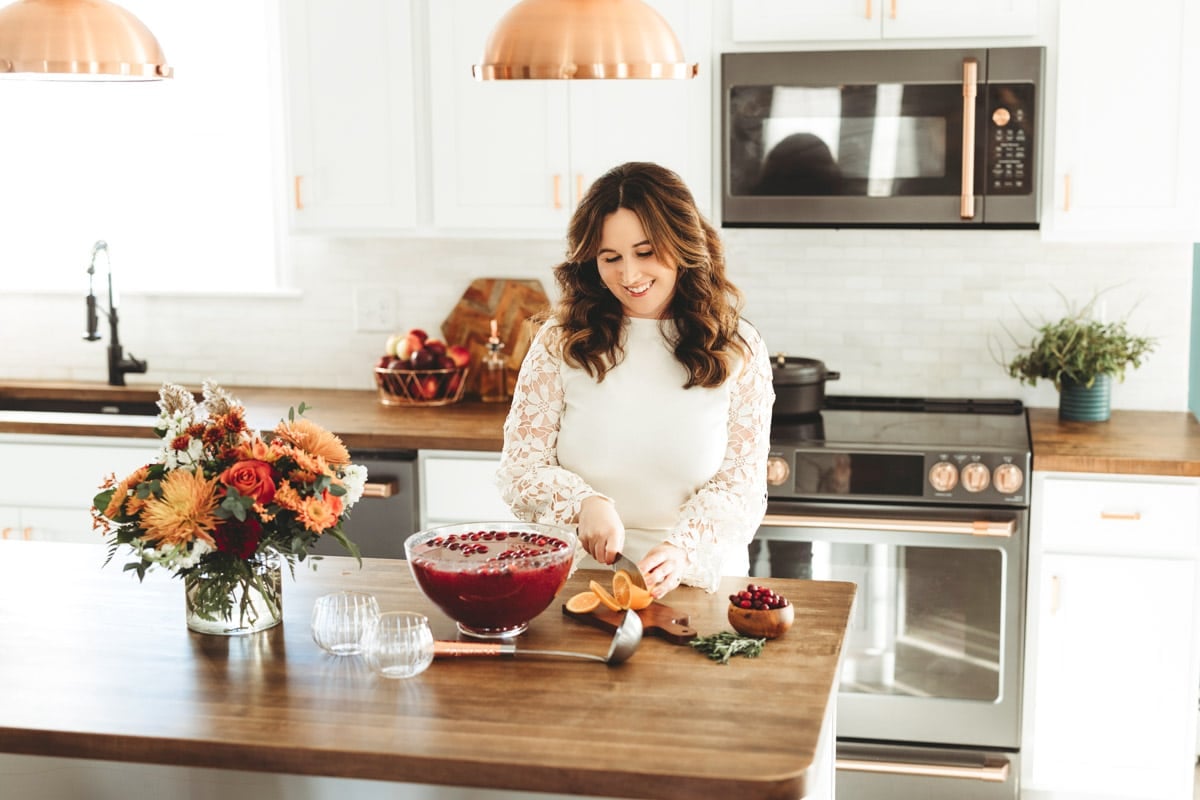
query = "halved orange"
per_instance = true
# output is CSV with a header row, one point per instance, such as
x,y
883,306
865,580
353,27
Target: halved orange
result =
x,y
583,603
628,593
605,597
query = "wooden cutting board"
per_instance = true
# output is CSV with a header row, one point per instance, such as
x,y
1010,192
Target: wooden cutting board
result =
x,y
509,301
657,620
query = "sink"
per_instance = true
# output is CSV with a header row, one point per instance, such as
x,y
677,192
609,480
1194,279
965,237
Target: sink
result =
x,y
75,405
79,411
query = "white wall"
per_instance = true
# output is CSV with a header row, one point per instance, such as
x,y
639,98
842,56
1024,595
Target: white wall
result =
x,y
895,311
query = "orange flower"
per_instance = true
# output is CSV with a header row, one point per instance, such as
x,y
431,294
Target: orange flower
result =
x,y
287,497
184,513
314,439
256,450
308,467
316,514
122,493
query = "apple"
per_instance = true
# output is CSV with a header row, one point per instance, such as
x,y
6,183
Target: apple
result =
x,y
423,359
396,363
384,361
436,346
393,342
419,334
429,388
460,355
412,344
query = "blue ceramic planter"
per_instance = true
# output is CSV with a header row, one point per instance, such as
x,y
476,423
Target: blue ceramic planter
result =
x,y
1081,404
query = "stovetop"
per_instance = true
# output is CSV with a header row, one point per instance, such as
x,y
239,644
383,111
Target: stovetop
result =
x,y
928,424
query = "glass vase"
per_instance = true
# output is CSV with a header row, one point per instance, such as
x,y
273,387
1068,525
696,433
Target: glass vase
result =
x,y
234,598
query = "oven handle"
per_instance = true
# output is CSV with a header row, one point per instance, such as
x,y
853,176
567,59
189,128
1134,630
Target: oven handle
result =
x,y
978,527
970,79
993,773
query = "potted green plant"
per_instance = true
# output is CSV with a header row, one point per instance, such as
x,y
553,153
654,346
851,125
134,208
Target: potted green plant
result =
x,y
1081,355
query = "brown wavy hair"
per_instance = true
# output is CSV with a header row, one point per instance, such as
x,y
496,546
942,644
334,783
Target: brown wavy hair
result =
x,y
705,306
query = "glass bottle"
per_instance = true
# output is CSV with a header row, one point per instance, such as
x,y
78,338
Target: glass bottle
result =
x,y
493,377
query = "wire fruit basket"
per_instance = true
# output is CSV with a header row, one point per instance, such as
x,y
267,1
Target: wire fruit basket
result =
x,y
420,387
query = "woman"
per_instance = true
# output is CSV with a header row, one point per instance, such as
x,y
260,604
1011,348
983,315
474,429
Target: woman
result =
x,y
642,411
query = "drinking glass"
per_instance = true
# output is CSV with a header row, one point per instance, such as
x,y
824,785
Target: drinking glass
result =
x,y
399,644
341,620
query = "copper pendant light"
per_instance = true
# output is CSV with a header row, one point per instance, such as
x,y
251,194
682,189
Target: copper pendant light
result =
x,y
576,39
79,40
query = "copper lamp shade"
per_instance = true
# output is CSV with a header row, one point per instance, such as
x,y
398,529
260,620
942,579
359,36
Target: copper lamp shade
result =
x,y
576,39
80,39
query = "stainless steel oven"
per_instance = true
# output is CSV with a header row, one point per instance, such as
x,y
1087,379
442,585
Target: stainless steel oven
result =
x,y
882,138
924,505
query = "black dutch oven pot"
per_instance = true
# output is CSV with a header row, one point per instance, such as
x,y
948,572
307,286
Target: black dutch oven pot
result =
x,y
799,385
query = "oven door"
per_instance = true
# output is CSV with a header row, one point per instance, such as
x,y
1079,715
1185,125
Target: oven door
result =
x,y
934,650
931,137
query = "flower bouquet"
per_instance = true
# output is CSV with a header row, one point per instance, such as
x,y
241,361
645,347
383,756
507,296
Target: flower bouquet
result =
x,y
223,505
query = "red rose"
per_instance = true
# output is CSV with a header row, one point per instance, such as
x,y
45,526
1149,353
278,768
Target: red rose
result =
x,y
239,538
251,479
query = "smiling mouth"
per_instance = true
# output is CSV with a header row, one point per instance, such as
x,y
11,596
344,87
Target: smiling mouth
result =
x,y
640,289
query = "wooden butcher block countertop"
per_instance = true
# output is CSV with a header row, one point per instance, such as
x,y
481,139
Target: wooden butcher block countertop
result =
x,y
96,665
354,415
1129,443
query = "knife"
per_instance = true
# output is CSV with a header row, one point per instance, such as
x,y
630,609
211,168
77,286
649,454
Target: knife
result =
x,y
623,562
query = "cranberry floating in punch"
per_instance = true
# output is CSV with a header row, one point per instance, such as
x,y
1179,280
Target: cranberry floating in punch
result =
x,y
491,578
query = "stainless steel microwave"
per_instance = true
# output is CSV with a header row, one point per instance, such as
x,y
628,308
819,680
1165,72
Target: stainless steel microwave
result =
x,y
882,138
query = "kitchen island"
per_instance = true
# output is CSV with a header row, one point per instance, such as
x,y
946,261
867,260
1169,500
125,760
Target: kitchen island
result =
x,y
95,666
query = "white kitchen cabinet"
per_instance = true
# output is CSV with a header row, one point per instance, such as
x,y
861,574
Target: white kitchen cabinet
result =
x,y
1112,673
351,115
47,482
459,486
1125,166
844,20
515,156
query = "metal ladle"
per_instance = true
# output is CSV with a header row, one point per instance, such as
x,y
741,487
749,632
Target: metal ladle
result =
x,y
625,641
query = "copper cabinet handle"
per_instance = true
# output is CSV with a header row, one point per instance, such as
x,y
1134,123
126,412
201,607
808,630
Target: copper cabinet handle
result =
x,y
557,190
1055,593
969,89
1131,516
870,3
977,527
296,193
27,534
993,773
893,11
1067,192
4,533
381,488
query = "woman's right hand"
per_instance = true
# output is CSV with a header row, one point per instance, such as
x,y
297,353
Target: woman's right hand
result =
x,y
601,531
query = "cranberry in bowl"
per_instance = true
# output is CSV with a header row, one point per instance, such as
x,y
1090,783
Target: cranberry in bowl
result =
x,y
491,578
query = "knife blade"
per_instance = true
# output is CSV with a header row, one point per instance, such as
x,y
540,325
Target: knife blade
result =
x,y
623,562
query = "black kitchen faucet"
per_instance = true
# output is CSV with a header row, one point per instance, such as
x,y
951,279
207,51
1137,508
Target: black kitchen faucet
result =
x,y
118,364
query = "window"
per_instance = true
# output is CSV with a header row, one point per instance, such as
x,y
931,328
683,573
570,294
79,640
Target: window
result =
x,y
179,177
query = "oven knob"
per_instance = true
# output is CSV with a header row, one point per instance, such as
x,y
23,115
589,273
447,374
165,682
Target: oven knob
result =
x,y
778,470
975,477
1008,478
943,476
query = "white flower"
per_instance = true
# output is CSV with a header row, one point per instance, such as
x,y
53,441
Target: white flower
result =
x,y
355,478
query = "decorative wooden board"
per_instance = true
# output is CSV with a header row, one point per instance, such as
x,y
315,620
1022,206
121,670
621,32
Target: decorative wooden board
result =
x,y
509,301
657,620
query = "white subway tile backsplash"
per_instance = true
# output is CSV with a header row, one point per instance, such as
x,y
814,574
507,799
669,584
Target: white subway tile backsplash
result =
x,y
894,311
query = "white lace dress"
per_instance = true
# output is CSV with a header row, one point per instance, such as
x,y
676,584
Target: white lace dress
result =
x,y
687,466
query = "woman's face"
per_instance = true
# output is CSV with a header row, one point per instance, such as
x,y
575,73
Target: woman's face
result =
x,y
630,268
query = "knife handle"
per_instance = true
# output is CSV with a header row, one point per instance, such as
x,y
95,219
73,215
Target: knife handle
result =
x,y
447,649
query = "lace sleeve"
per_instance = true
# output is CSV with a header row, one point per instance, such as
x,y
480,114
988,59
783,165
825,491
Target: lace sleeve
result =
x,y
727,510
530,479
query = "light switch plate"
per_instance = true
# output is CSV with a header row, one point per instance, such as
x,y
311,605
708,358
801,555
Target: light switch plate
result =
x,y
374,309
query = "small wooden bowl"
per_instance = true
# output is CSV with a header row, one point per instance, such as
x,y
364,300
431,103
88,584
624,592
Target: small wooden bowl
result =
x,y
769,623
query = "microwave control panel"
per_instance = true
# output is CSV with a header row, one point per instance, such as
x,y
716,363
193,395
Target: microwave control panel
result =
x,y
1009,138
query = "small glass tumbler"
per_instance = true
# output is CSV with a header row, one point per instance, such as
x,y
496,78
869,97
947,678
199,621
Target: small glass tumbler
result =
x,y
341,620
399,644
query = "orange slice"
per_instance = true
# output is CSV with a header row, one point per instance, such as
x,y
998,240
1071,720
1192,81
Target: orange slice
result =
x,y
628,593
583,603
605,597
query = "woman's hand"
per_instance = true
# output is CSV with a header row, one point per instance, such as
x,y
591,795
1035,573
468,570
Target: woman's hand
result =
x,y
663,568
601,531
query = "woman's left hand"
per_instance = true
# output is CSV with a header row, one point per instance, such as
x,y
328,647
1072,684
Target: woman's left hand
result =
x,y
663,568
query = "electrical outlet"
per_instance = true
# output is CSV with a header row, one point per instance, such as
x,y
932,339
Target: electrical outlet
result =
x,y
374,309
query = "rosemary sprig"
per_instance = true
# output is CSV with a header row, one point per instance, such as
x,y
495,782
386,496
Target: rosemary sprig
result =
x,y
726,644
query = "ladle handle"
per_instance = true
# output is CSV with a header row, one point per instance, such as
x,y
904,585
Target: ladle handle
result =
x,y
447,649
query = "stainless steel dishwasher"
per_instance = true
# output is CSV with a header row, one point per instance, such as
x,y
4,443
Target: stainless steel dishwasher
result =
x,y
387,513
